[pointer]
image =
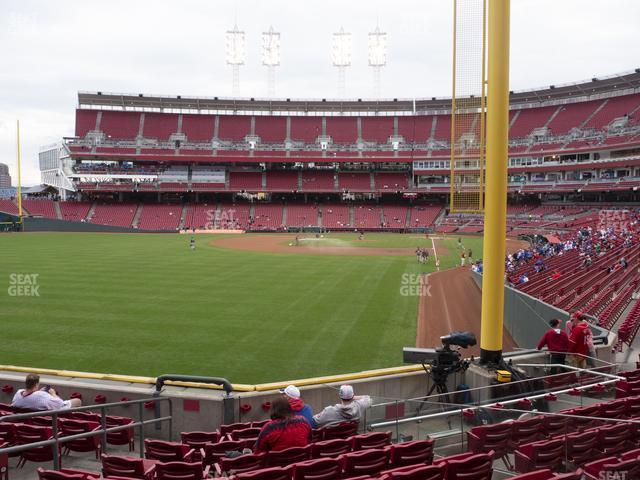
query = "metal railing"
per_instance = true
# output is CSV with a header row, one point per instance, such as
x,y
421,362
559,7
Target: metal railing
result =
x,y
55,441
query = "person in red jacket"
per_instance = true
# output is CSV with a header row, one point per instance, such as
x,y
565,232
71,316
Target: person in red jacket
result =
x,y
579,341
284,430
557,342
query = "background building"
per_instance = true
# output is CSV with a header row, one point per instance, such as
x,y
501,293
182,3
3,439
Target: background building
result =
x,y
5,178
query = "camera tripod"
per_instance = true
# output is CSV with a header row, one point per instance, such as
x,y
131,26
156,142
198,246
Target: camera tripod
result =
x,y
439,374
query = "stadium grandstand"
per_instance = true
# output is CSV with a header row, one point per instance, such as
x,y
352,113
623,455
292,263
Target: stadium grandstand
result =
x,y
161,157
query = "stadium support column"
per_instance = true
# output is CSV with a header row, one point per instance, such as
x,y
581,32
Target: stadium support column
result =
x,y
496,183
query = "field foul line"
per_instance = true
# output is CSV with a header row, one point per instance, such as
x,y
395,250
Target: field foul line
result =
x,y
435,254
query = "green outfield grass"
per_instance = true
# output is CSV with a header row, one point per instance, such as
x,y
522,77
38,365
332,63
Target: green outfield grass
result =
x,y
145,304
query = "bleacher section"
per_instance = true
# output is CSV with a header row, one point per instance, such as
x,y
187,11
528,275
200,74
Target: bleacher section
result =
x,y
160,217
40,207
114,214
302,215
368,217
74,211
267,217
335,216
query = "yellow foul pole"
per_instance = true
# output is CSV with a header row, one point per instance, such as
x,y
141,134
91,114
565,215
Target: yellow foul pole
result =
x,y
19,178
496,183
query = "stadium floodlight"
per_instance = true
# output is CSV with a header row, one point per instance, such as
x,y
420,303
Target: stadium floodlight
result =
x,y
271,57
341,56
235,55
377,56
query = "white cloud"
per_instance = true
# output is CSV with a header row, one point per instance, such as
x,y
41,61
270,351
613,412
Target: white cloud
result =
x,y
50,50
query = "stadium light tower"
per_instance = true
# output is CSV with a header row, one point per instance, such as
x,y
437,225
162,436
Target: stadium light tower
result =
x,y
377,56
235,55
341,57
271,57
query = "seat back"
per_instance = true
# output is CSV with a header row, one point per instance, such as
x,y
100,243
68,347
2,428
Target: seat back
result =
x,y
26,434
282,458
364,462
339,430
547,453
581,446
213,452
474,467
179,471
87,416
330,448
121,437
555,425
544,474
613,409
251,432
490,437
70,427
243,463
227,429
272,473
526,431
66,474
370,440
318,469
411,453
165,451
415,472
113,465
198,439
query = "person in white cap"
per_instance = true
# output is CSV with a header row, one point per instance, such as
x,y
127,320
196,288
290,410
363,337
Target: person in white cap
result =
x,y
292,393
351,408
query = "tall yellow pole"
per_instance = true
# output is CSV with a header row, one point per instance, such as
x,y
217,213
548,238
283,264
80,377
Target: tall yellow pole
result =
x,y
496,183
19,178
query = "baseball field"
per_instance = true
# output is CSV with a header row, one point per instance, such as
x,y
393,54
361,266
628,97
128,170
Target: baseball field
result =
x,y
252,308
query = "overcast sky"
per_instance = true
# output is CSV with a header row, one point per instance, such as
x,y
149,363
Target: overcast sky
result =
x,y
51,50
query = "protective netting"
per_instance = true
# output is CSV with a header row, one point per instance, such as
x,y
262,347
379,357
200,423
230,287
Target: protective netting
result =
x,y
468,107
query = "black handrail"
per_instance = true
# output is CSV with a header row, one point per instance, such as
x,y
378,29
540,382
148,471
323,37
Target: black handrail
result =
x,y
226,385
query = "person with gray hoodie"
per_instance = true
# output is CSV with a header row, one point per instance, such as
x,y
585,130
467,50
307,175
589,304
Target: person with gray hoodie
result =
x,y
351,408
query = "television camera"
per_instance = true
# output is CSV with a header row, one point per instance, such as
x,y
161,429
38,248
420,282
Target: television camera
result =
x,y
441,362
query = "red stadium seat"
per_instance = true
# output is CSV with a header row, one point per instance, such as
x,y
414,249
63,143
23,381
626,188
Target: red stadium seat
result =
x,y
318,469
213,452
26,434
340,430
470,467
364,462
181,471
272,473
70,427
415,472
282,458
540,455
242,463
525,431
411,453
370,440
493,438
330,448
66,474
167,451
121,437
116,466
